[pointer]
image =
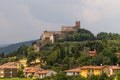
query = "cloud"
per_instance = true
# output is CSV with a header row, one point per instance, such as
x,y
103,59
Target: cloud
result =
x,y
17,23
97,10
22,20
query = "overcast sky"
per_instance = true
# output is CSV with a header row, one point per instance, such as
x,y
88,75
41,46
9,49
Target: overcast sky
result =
x,y
23,20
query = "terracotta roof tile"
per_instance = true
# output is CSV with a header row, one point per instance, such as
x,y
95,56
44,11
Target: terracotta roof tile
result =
x,y
117,53
92,67
114,67
10,65
73,70
31,69
43,71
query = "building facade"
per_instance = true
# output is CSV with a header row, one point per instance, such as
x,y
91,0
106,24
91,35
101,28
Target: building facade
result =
x,y
9,69
45,73
72,72
87,71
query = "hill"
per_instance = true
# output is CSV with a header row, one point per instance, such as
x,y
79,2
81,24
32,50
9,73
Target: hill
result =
x,y
3,45
13,47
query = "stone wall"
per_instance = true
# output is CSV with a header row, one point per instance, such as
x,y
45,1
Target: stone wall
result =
x,y
51,35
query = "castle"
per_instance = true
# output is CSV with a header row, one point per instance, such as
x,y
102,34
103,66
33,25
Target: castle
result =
x,y
52,35
71,28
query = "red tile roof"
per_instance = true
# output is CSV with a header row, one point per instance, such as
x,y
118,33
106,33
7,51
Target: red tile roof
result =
x,y
6,66
114,67
31,70
43,71
117,53
73,70
10,65
92,67
92,53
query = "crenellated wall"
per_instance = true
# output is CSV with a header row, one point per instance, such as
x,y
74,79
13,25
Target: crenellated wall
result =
x,y
51,35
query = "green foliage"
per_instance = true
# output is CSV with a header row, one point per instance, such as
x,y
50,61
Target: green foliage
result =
x,y
118,75
67,55
72,51
108,36
2,55
20,73
60,76
94,77
81,35
31,55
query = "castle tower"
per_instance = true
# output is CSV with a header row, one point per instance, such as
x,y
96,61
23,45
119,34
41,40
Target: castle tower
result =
x,y
77,24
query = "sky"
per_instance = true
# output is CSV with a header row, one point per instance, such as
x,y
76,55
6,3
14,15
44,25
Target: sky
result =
x,y
24,20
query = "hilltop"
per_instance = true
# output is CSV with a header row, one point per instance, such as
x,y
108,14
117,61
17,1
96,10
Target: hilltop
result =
x,y
7,48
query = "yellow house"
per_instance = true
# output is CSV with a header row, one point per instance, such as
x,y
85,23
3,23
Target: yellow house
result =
x,y
87,71
24,62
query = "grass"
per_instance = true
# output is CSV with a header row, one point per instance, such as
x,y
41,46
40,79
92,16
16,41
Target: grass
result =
x,y
16,79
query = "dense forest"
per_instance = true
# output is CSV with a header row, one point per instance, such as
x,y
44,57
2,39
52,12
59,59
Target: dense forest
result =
x,y
72,51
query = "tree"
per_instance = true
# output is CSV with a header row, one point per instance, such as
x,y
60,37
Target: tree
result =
x,y
31,55
102,36
60,76
118,75
20,73
94,77
106,60
2,55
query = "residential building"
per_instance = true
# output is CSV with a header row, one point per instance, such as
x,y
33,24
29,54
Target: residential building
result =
x,y
9,69
71,72
87,71
46,73
92,53
37,72
117,54
30,72
111,70
23,62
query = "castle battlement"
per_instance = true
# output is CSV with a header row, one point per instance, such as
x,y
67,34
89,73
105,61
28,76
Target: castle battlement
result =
x,y
51,35
71,28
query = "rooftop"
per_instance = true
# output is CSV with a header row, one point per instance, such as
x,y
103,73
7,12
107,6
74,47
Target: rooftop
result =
x,y
73,70
43,71
10,65
92,67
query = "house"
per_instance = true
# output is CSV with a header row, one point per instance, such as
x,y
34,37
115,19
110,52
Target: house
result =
x,y
37,72
9,69
45,73
71,72
23,62
30,72
92,53
87,71
111,70
117,54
